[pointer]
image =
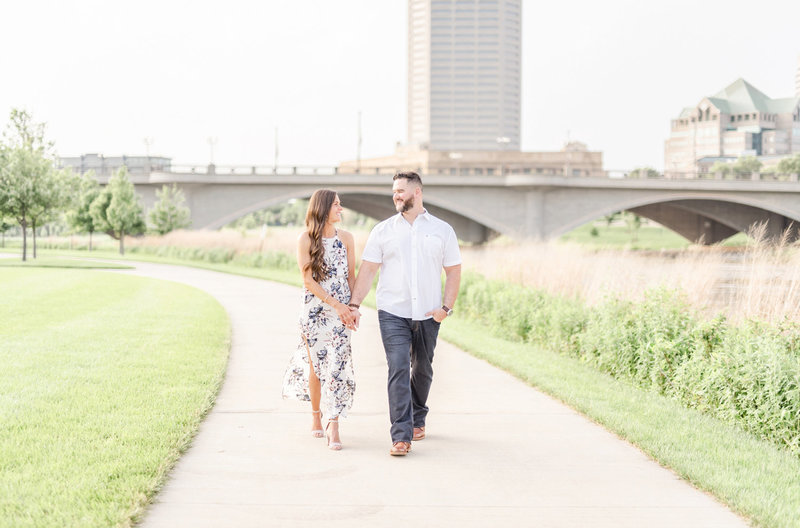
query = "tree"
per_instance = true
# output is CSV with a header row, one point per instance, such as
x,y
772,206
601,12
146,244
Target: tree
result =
x,y
55,193
790,165
29,181
721,167
80,217
5,225
5,218
644,172
633,222
611,218
747,165
169,212
117,209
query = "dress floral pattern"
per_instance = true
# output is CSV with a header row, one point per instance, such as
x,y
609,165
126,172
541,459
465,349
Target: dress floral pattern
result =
x,y
327,339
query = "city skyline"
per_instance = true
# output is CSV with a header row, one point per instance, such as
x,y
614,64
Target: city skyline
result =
x,y
105,77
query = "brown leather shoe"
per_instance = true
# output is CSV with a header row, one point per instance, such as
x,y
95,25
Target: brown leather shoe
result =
x,y
419,433
400,448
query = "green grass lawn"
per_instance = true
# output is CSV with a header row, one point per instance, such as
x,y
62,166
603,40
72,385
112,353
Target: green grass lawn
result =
x,y
105,380
60,262
755,478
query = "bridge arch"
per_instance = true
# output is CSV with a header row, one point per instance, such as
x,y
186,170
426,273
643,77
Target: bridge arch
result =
x,y
257,206
377,205
705,218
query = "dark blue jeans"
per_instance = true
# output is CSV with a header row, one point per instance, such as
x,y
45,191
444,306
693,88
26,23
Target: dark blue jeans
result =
x,y
409,353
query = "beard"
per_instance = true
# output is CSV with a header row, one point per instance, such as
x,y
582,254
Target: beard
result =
x,y
405,206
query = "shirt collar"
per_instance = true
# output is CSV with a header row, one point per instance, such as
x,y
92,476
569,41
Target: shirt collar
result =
x,y
424,214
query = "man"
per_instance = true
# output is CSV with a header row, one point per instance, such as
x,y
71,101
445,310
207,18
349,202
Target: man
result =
x,y
411,249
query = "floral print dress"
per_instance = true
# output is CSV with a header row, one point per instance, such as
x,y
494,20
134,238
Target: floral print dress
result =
x,y
326,338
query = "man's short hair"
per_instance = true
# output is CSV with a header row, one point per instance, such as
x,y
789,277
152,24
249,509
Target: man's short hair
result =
x,y
411,176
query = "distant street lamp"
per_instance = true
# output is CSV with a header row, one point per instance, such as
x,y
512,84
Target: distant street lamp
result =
x,y
147,142
455,156
212,141
502,141
275,156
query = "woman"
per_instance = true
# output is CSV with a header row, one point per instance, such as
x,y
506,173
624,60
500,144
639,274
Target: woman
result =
x,y
321,369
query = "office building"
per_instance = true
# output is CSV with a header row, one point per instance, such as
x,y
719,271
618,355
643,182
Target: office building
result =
x,y
737,121
464,74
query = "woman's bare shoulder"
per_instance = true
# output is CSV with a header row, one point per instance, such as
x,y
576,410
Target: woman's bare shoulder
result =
x,y
346,236
304,238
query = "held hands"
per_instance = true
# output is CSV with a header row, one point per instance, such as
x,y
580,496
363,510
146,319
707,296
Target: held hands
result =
x,y
347,316
357,316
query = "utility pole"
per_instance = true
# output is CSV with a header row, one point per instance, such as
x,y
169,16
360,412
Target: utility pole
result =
x,y
275,156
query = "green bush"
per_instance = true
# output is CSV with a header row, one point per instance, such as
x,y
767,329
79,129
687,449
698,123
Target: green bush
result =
x,y
520,314
748,375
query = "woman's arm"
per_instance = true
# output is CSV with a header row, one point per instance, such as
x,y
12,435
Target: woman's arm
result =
x,y
304,257
350,245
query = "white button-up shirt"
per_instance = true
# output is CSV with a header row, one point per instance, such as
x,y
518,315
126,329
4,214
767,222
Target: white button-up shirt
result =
x,y
411,257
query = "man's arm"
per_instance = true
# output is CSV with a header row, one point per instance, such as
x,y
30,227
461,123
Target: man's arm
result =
x,y
366,273
452,282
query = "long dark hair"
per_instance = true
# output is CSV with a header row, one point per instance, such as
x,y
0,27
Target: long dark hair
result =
x,y
319,207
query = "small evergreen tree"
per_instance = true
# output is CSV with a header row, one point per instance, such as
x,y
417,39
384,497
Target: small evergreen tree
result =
x,y
169,212
117,210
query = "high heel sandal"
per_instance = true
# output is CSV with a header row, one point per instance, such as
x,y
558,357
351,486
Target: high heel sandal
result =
x,y
317,433
334,446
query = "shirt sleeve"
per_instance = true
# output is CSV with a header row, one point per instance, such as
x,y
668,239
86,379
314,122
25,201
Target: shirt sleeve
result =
x,y
372,250
452,254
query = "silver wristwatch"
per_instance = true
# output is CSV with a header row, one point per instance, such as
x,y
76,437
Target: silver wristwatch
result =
x,y
447,310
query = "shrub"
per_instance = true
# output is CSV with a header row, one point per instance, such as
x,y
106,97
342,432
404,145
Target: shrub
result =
x,y
747,375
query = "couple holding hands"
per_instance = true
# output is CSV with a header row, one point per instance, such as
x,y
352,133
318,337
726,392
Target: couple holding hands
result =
x,y
410,249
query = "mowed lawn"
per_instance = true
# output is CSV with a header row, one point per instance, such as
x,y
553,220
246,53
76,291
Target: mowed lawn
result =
x,y
104,380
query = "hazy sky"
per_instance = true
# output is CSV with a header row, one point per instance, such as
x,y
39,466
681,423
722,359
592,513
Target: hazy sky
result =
x,y
612,73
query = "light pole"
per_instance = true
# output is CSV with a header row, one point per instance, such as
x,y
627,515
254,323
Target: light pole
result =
x,y
147,142
501,142
275,156
358,150
212,141
455,156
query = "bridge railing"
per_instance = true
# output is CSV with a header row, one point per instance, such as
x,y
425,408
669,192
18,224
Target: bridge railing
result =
x,y
489,172
260,170
675,175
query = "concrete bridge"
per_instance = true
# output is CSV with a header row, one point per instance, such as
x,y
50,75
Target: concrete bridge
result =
x,y
706,210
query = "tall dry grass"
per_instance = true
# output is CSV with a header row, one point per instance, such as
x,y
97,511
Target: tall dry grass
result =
x,y
761,281
282,239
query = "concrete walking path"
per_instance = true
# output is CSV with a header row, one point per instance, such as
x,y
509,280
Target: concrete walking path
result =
x,y
498,452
